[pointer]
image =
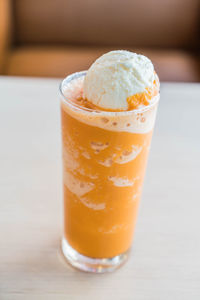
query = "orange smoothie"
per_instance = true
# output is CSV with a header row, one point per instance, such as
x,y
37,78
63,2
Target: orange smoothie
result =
x,y
104,161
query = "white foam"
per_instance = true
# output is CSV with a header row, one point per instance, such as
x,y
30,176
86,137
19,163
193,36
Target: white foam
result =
x,y
82,172
107,162
135,121
128,156
98,146
77,187
121,182
70,162
125,157
95,206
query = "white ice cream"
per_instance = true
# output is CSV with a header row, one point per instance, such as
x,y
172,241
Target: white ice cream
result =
x,y
125,121
115,76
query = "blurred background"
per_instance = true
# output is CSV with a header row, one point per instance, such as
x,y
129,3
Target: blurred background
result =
x,y
54,38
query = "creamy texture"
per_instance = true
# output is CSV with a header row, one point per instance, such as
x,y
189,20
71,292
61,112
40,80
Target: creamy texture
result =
x,y
126,121
115,76
104,160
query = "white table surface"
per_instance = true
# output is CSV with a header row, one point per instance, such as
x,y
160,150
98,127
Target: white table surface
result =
x,y
165,260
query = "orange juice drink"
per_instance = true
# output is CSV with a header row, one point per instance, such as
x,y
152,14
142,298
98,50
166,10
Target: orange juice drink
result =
x,y
104,161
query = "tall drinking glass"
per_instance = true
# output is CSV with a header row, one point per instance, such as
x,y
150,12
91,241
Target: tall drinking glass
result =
x,y
104,162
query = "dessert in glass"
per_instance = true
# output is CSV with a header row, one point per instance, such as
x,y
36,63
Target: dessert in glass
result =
x,y
108,115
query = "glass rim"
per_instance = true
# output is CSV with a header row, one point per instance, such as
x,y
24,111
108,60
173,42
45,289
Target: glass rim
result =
x,y
75,75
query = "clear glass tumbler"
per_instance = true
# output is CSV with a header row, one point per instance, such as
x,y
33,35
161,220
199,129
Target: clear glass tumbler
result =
x,y
104,162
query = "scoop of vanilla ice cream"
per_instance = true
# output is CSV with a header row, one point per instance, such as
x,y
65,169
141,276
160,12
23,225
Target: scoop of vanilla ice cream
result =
x,y
115,76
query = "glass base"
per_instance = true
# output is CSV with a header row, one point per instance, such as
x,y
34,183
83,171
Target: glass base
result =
x,y
93,265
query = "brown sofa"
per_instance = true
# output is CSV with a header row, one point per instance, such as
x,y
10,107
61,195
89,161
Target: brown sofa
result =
x,y
57,37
